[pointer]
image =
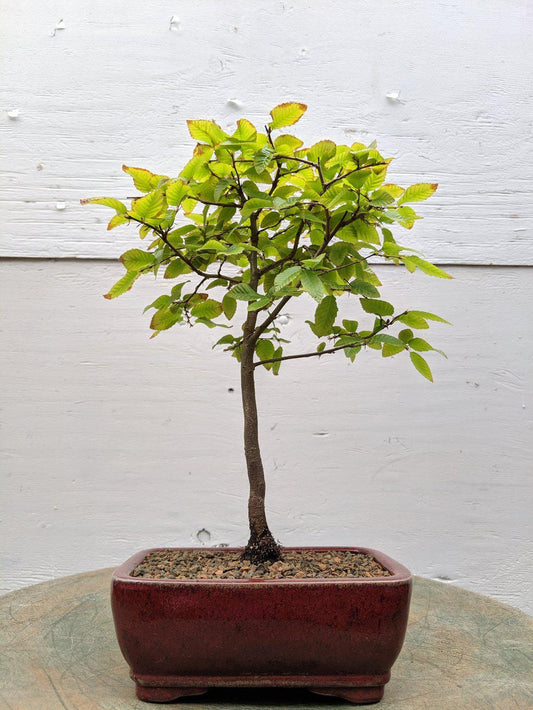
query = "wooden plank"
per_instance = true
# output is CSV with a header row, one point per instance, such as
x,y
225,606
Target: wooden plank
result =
x,y
444,87
112,442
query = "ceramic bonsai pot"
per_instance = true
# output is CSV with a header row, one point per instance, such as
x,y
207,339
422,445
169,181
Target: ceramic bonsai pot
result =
x,y
333,636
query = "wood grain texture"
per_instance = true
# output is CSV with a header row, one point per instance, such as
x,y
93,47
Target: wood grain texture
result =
x,y
112,442
116,84
462,652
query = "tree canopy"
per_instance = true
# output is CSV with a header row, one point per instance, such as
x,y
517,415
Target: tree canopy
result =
x,y
257,217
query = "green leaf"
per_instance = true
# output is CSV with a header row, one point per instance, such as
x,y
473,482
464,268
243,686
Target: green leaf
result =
x,y
116,205
207,309
261,303
243,292
160,302
164,319
427,267
350,325
278,352
262,158
389,350
265,350
406,335
377,307
366,232
325,315
150,206
418,193
256,203
137,259
175,192
413,320
246,131
285,277
206,132
419,344
388,339
124,284
312,284
229,306
225,340
286,114
364,288
176,268
430,316
421,365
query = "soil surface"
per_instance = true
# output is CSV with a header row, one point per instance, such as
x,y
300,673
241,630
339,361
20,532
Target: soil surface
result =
x,y
222,564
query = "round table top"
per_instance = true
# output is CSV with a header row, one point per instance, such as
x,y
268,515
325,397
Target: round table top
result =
x,y
58,652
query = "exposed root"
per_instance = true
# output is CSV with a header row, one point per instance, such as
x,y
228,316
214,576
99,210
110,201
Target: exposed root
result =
x,y
262,548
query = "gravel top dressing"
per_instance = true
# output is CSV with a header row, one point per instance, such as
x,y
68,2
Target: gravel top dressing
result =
x,y
220,564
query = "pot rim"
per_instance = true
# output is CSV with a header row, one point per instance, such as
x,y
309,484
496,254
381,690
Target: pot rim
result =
x,y
398,573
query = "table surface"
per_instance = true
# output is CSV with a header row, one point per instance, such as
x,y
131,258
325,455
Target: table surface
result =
x,y
58,652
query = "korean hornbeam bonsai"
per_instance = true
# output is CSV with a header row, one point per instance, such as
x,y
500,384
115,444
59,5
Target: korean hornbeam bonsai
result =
x,y
259,218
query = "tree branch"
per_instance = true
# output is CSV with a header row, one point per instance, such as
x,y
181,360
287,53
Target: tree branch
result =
x,y
271,318
289,256
350,172
164,238
361,341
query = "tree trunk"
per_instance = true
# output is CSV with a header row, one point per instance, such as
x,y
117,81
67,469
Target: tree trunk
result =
x,y
261,546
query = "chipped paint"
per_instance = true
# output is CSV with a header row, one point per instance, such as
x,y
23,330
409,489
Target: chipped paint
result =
x,y
175,24
394,97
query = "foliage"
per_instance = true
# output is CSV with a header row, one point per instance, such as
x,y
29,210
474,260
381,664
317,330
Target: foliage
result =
x,y
256,219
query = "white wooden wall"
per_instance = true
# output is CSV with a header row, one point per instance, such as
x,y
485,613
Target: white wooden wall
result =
x,y
437,475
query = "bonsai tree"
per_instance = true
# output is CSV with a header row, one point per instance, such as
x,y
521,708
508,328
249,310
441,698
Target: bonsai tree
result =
x,y
258,219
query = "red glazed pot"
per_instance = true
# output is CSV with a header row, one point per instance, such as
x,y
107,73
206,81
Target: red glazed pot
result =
x,y
334,636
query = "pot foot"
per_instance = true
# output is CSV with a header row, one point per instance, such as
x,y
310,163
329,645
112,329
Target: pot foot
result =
x,y
358,696
164,695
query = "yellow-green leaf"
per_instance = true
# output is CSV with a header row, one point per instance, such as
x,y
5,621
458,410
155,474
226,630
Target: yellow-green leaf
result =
x,y
122,285
312,284
175,268
246,131
207,309
175,192
229,306
323,150
137,259
325,315
150,206
287,143
393,190
117,205
206,131
421,365
164,319
143,179
116,221
286,114
418,192
285,277
428,268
